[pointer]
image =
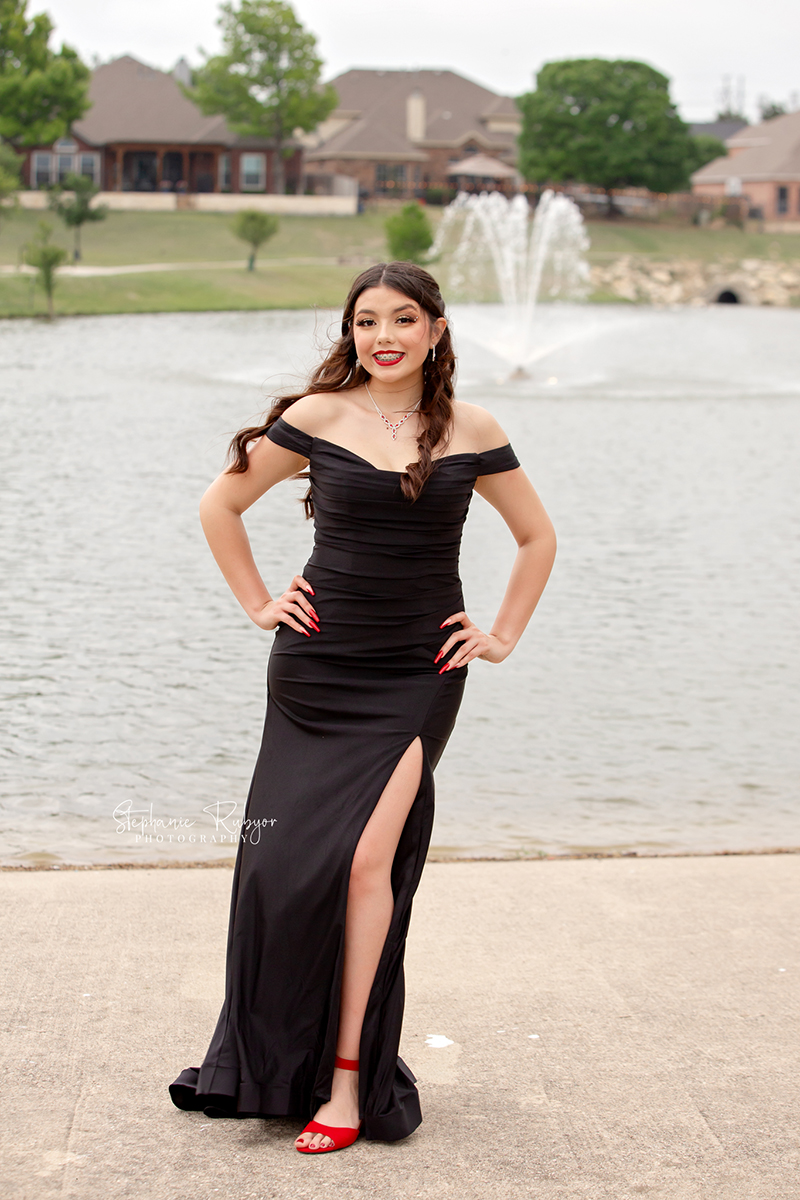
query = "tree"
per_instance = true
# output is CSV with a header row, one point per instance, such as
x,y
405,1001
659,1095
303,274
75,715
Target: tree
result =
x,y
729,113
408,233
77,210
266,81
705,149
606,123
10,164
41,92
47,259
770,108
255,228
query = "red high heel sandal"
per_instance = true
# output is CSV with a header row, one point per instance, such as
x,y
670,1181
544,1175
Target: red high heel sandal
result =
x,y
341,1137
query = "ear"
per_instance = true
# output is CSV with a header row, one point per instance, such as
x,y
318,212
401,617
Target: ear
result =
x,y
437,329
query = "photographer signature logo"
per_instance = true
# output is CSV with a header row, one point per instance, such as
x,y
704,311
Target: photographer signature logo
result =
x,y
224,827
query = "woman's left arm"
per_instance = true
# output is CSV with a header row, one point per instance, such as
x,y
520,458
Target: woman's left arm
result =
x,y
514,497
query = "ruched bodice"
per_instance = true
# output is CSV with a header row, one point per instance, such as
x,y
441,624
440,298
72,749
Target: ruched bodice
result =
x,y
385,570
343,706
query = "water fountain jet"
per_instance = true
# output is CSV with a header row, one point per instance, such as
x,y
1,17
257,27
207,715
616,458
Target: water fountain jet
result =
x,y
531,257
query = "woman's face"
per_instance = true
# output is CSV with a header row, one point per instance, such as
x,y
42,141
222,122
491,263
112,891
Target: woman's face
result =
x,y
393,334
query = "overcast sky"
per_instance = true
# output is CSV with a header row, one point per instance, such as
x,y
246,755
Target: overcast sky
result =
x,y
501,45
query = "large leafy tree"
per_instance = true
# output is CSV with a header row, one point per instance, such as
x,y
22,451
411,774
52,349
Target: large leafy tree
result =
x,y
266,83
606,123
704,150
42,91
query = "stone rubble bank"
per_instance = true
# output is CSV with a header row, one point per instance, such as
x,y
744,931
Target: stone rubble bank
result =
x,y
686,281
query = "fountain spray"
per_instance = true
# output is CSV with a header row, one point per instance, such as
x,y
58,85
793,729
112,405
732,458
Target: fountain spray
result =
x,y
531,258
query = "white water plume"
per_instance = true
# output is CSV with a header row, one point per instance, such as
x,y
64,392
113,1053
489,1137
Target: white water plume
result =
x,y
531,256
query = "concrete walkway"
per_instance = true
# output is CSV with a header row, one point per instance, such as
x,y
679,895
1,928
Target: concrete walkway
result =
x,y
609,1029
85,272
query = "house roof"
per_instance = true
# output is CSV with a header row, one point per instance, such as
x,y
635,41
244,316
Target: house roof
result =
x,y
131,102
718,129
455,110
764,152
483,167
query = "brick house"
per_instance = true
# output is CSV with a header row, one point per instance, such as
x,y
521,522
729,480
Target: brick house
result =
x,y
763,166
142,134
400,132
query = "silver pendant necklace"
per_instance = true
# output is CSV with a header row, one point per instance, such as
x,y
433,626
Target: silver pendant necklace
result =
x,y
393,426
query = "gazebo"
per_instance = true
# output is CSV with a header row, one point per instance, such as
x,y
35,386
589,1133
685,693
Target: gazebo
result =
x,y
481,172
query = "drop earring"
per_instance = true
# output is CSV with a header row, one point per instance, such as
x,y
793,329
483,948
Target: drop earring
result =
x,y
433,353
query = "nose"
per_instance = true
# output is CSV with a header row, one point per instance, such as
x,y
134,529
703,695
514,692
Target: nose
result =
x,y
385,332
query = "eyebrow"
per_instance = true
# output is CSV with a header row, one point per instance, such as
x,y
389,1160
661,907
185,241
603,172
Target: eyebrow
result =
x,y
371,311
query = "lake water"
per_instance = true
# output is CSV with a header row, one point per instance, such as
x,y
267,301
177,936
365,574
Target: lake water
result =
x,y
651,706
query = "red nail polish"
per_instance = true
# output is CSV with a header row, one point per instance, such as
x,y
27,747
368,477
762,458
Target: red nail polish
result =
x,y
438,656
313,593
316,628
443,624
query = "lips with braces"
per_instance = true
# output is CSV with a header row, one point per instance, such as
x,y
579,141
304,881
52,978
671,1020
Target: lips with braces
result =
x,y
388,357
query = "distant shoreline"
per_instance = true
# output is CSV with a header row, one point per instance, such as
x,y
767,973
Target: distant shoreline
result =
x,y
171,864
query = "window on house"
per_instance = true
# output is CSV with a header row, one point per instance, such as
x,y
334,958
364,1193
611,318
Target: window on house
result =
x,y
225,175
783,200
252,172
88,166
390,177
64,165
41,170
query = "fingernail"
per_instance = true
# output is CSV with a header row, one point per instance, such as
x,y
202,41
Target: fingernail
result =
x,y
315,627
446,667
305,631
443,624
314,615
313,593
438,656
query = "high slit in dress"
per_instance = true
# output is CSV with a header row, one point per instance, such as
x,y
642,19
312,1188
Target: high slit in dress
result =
x,y
343,706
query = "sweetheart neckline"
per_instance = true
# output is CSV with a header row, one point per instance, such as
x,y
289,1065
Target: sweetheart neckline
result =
x,y
387,470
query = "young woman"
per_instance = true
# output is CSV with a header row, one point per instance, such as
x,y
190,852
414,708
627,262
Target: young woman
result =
x,y
365,680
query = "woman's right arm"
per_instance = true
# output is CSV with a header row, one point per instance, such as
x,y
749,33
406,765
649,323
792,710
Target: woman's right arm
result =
x,y
221,511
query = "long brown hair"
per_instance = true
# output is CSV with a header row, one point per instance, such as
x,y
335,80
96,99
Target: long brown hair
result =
x,y
341,372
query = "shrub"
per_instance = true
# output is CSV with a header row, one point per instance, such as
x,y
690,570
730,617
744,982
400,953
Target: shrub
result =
x,y
255,228
75,212
46,259
408,233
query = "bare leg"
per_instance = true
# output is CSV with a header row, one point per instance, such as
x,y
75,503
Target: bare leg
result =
x,y
370,903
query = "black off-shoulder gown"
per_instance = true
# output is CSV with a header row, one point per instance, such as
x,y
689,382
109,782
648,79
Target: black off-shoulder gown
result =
x,y
343,706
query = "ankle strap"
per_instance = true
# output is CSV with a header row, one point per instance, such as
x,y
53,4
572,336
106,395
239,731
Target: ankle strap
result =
x,y
349,1064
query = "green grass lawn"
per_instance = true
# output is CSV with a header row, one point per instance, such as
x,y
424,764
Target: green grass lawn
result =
x,y
271,285
130,238
662,241
125,237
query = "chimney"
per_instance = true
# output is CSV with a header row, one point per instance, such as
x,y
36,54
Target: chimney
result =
x,y
416,116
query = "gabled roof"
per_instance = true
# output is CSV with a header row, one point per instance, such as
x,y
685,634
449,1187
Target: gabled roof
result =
x,y
456,110
363,137
132,102
482,166
764,152
718,129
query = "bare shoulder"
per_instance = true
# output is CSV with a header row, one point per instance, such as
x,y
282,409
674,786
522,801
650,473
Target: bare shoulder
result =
x,y
312,414
478,428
